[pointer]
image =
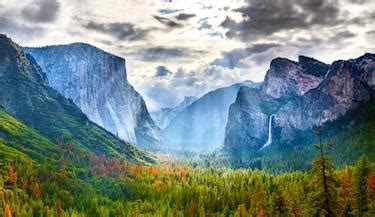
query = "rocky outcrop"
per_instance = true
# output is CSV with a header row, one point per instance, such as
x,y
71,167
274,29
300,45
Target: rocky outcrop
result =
x,y
164,116
301,96
203,122
96,82
286,77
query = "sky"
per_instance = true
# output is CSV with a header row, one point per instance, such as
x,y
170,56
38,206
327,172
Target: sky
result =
x,y
177,48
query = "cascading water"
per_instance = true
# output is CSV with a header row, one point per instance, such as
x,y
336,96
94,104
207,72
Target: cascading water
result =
x,y
268,143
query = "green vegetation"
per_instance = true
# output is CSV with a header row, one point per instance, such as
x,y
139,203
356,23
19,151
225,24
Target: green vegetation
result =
x,y
21,140
81,185
72,181
57,119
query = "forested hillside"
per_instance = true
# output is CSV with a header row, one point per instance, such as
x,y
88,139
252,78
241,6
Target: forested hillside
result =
x,y
82,184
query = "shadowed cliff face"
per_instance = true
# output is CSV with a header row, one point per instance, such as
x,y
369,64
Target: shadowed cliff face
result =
x,y
301,96
96,82
202,123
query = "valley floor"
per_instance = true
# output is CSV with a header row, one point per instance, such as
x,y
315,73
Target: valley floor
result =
x,y
81,185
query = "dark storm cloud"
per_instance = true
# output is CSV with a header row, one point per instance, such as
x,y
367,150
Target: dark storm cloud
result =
x,y
265,17
184,16
168,22
162,71
232,58
342,36
41,11
166,53
120,30
14,28
359,1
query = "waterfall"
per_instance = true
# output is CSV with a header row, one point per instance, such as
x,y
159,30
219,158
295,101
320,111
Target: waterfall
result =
x,y
268,143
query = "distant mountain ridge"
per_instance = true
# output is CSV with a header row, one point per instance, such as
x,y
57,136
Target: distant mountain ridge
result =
x,y
164,116
202,123
96,82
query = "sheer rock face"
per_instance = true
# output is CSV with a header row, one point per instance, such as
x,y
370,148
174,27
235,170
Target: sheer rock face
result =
x,y
286,77
245,116
298,105
96,82
202,124
26,95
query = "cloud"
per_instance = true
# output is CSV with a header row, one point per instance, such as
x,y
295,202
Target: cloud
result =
x,y
359,1
168,22
232,59
159,95
184,16
162,71
165,11
18,30
165,53
41,11
119,30
204,24
194,49
265,17
341,36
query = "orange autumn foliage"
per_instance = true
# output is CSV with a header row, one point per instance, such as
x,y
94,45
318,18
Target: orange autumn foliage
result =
x,y
261,213
192,208
345,194
24,184
59,209
36,191
157,184
12,176
371,184
182,172
152,170
7,211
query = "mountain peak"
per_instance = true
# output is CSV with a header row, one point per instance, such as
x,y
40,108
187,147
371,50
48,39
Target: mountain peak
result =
x,y
280,63
96,82
289,77
16,64
4,38
312,66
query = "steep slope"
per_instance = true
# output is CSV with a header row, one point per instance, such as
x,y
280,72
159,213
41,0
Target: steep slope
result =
x,y
351,135
96,82
298,104
164,116
18,139
25,95
203,122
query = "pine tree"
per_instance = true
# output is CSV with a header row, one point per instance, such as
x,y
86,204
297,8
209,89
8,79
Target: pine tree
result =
x,y
345,192
59,209
361,173
323,195
1,182
278,204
